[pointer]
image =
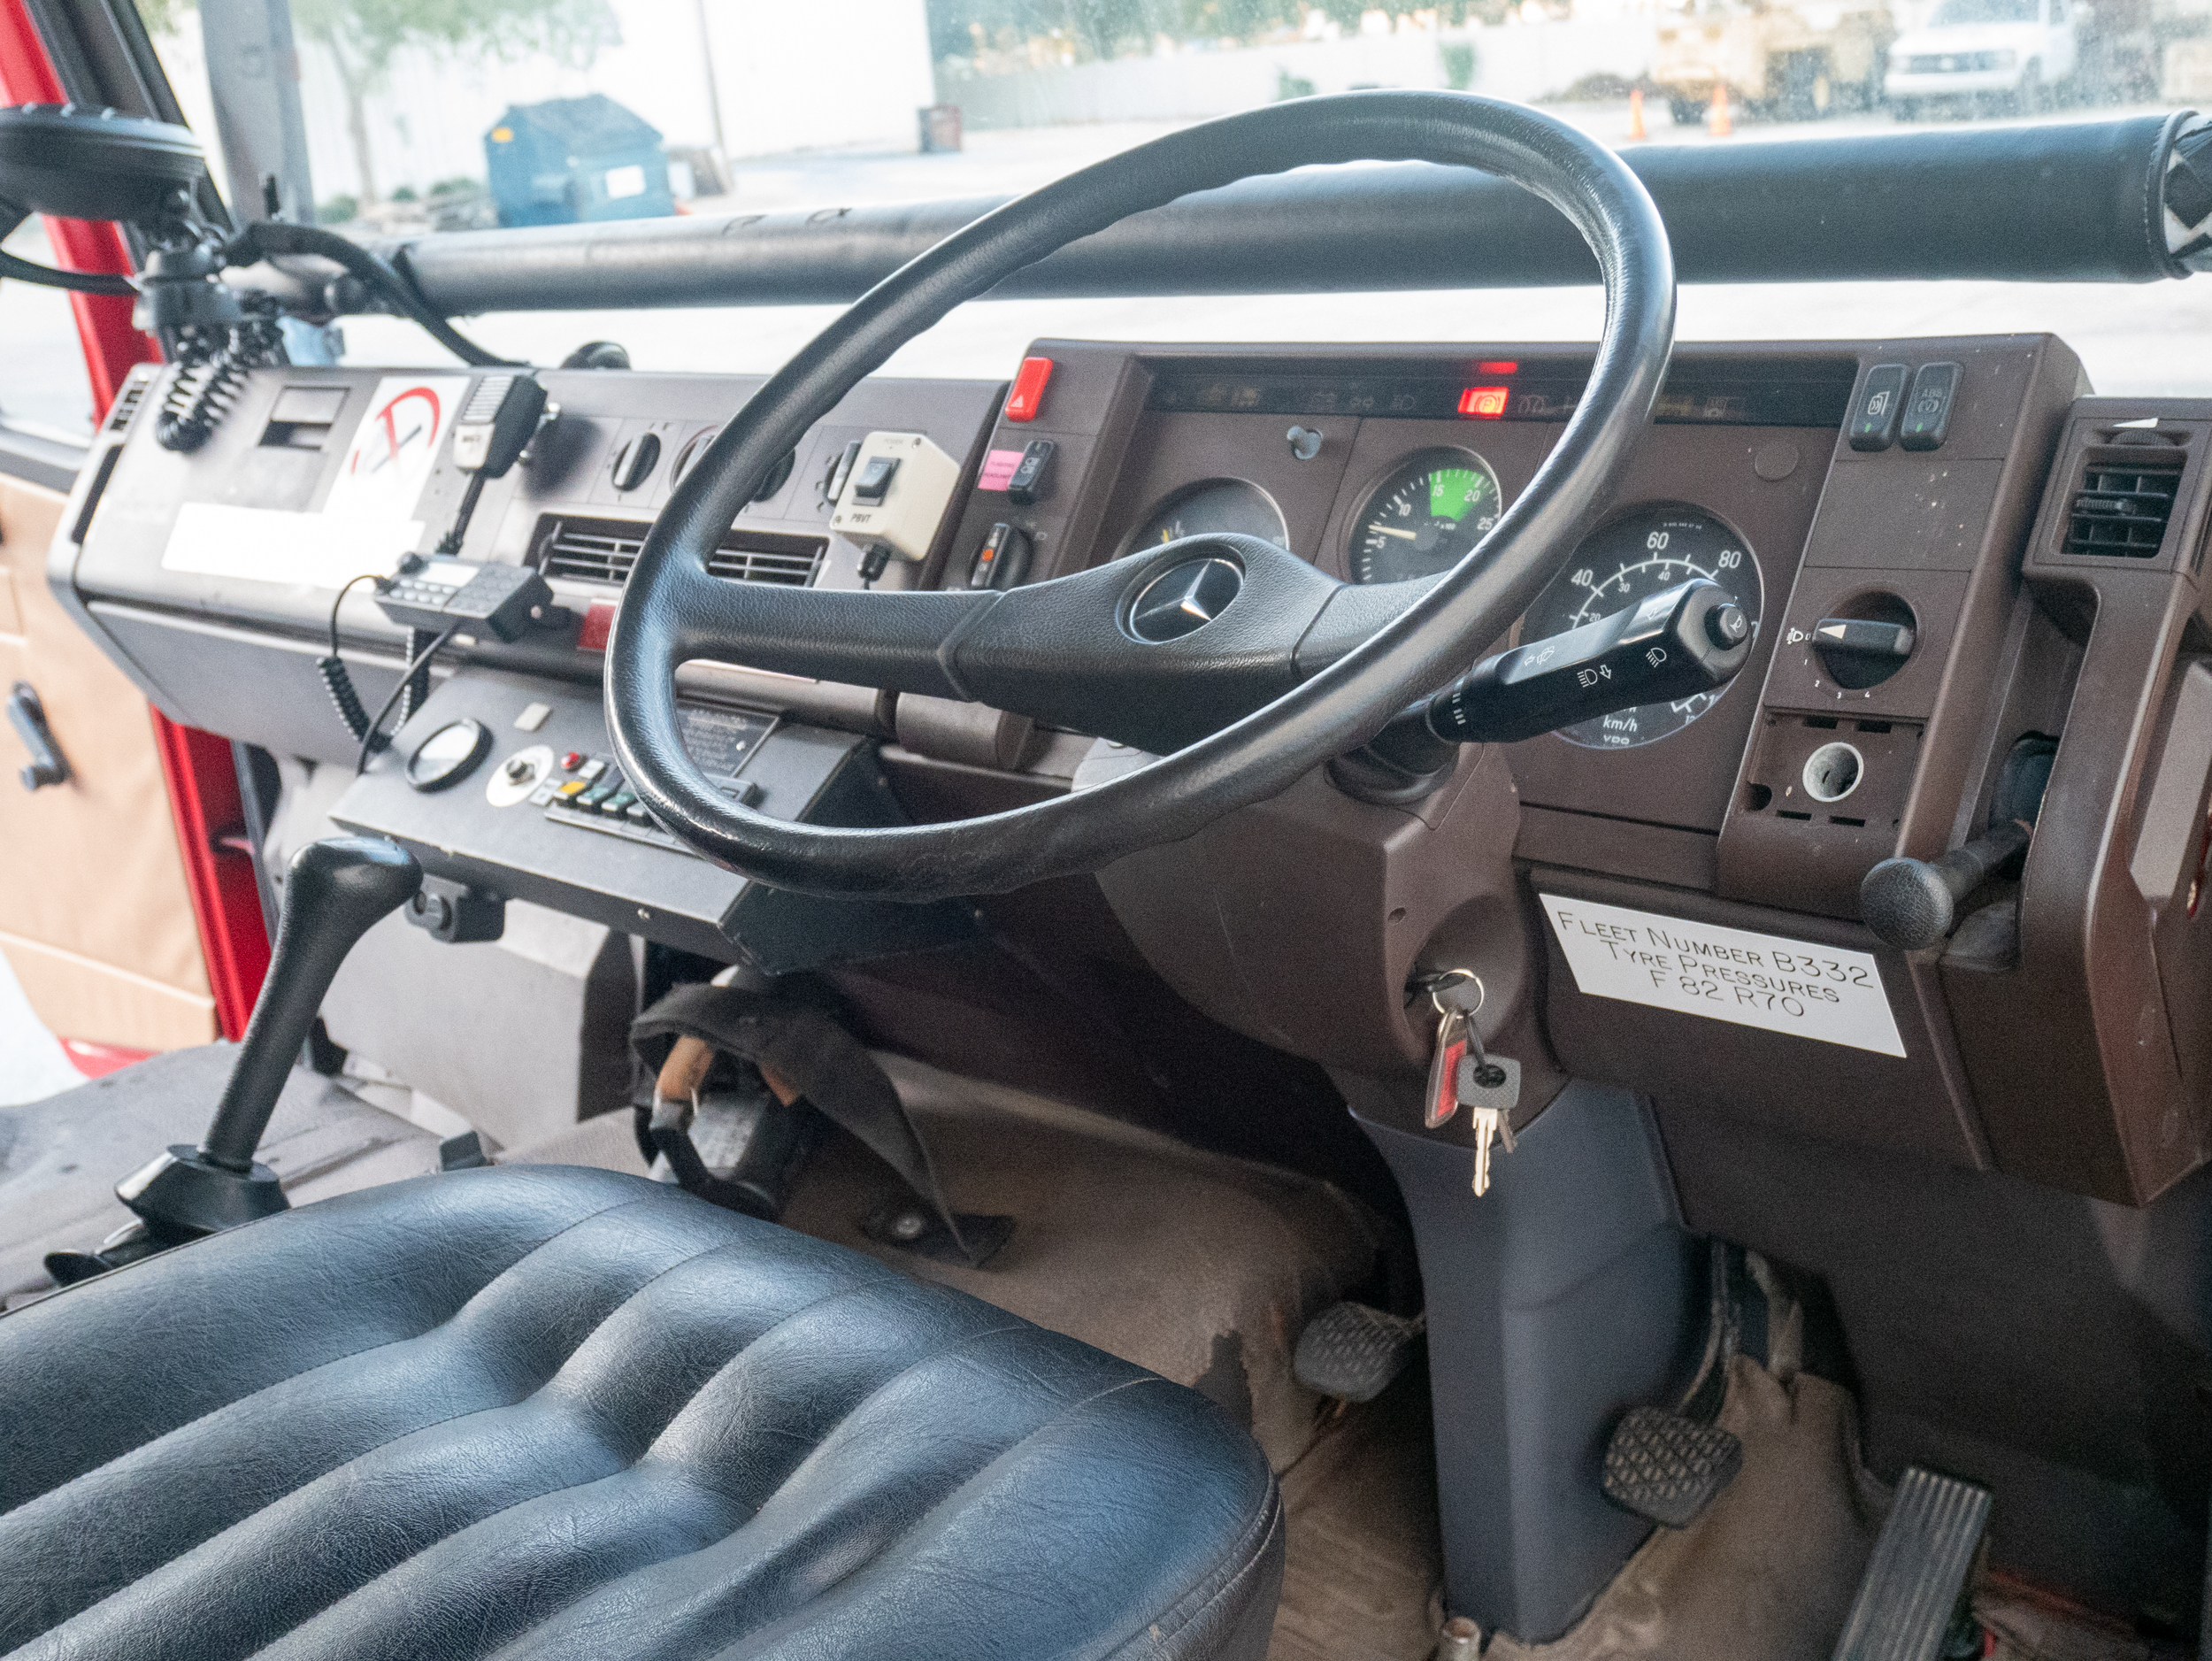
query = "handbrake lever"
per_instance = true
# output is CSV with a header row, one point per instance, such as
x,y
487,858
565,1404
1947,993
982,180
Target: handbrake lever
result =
x,y
1912,904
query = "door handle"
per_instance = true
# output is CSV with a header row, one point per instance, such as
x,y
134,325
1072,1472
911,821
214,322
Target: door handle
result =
x,y
27,715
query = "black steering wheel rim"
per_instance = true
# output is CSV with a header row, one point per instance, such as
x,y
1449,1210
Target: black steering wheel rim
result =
x,y
1411,638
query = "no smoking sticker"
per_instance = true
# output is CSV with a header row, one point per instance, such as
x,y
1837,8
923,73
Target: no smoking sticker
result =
x,y
1824,993
395,446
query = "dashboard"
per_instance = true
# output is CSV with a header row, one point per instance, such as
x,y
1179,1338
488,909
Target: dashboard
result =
x,y
1947,549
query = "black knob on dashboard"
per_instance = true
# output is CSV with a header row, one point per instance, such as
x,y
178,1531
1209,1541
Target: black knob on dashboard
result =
x,y
1912,904
1726,626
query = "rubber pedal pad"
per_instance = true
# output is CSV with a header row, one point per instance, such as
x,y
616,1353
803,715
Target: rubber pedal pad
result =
x,y
1666,1467
1915,1587
1351,1350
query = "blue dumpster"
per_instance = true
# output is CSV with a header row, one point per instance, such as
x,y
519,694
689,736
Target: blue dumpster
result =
x,y
571,159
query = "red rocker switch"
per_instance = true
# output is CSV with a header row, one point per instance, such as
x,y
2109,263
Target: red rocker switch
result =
x,y
1028,396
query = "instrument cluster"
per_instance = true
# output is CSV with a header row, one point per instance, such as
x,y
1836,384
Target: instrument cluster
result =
x,y
1433,507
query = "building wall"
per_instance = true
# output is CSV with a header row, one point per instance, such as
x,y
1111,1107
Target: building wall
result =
x,y
1514,60
847,75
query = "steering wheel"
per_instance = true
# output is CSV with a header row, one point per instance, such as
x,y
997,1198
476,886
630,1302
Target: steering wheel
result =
x,y
1247,664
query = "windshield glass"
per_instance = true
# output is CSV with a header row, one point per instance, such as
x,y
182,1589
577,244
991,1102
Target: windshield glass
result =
x,y
431,117
1984,11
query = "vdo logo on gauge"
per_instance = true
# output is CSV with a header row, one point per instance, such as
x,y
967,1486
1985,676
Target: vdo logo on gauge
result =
x,y
1639,554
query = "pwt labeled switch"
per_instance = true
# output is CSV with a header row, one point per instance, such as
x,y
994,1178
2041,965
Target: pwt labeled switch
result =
x,y
894,493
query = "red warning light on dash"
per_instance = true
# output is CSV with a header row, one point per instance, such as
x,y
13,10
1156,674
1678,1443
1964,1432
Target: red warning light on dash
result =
x,y
1484,403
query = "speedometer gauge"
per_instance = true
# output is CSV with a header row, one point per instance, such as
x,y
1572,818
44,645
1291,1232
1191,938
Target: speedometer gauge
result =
x,y
1425,517
1639,554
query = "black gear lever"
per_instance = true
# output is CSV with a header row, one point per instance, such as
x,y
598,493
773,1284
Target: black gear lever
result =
x,y
337,889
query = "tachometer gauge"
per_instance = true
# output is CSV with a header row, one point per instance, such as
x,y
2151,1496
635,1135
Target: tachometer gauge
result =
x,y
1425,517
1218,504
1639,554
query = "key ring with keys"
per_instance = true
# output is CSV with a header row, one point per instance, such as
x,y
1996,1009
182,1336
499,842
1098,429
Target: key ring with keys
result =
x,y
1437,984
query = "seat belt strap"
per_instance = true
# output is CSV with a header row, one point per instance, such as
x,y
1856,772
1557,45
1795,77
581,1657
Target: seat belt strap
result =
x,y
802,1055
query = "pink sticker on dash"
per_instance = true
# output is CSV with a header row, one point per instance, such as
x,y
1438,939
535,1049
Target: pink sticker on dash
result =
x,y
998,469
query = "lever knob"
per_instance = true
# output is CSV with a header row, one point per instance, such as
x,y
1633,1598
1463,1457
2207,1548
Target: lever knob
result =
x,y
1912,904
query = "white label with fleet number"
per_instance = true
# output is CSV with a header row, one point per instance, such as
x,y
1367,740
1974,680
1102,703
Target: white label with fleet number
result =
x,y
1824,993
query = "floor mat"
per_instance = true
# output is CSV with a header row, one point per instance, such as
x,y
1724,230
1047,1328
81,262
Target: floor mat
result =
x,y
1768,1571
1365,1558
61,1158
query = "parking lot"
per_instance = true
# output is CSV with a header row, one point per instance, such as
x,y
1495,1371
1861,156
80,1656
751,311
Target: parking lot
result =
x,y
2127,335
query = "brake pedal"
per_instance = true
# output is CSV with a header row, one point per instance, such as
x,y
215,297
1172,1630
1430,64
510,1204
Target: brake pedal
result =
x,y
1668,1468
1351,1350
1915,1590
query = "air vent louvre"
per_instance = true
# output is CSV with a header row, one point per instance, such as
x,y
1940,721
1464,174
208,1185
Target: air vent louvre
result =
x,y
134,394
604,551
794,567
2121,512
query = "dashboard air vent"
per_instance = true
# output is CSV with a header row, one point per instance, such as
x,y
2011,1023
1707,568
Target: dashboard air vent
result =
x,y
603,550
2121,511
134,394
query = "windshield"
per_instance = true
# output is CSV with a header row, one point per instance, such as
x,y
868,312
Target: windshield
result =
x,y
1984,11
434,116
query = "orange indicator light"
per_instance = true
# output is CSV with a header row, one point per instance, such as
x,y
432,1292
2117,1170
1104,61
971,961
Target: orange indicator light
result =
x,y
1484,403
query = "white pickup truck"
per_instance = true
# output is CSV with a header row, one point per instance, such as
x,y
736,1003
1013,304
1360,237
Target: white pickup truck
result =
x,y
2007,54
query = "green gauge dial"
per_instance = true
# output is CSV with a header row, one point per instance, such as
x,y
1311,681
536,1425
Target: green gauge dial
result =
x,y
1425,517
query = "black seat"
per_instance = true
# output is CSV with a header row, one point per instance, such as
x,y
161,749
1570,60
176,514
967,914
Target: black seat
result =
x,y
545,1412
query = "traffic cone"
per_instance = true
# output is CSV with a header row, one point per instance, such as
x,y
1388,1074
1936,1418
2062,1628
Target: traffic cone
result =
x,y
1716,120
1635,114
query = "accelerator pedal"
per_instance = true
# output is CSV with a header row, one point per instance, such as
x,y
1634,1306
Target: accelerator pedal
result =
x,y
1351,1350
1666,1467
1914,1599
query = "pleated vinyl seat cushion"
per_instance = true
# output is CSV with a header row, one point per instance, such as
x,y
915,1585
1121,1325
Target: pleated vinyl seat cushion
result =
x,y
546,1411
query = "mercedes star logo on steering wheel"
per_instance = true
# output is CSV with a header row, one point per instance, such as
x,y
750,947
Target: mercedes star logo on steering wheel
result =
x,y
1184,598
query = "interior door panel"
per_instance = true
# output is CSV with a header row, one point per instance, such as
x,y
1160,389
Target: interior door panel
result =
x,y
94,916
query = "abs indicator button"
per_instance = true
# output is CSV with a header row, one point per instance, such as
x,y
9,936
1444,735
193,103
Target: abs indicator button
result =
x,y
1928,412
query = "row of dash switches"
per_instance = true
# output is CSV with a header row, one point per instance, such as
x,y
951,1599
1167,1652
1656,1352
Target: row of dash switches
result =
x,y
590,791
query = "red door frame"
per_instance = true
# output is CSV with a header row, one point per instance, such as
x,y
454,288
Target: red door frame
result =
x,y
201,777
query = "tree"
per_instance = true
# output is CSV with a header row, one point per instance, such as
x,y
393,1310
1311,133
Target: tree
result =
x,y
362,35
